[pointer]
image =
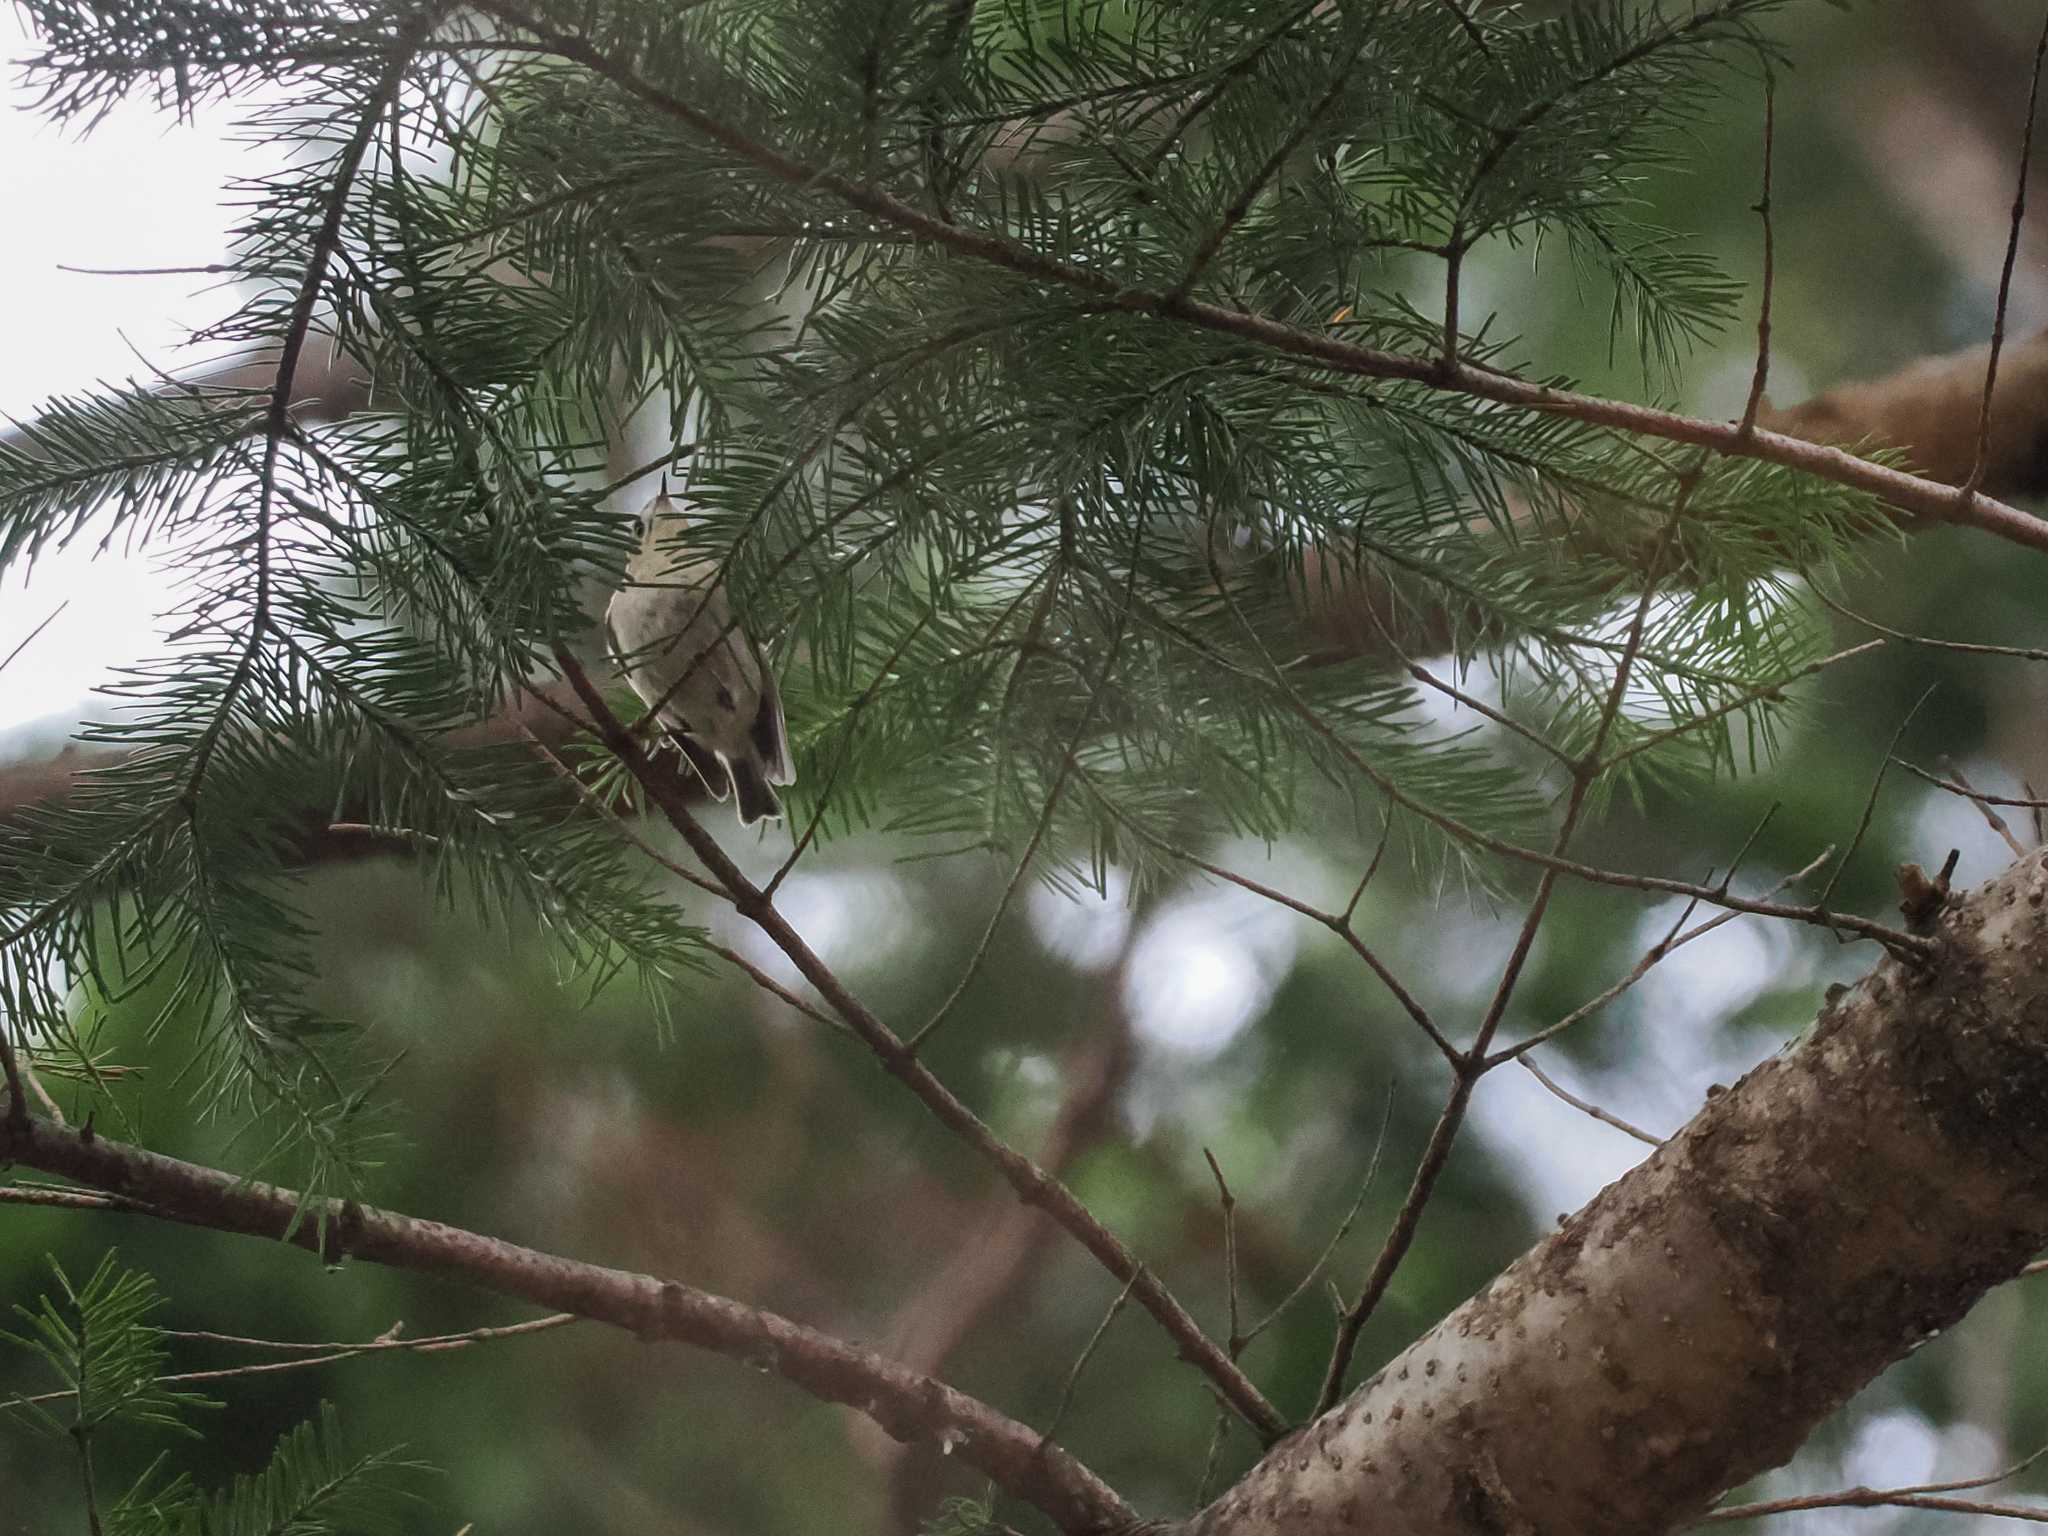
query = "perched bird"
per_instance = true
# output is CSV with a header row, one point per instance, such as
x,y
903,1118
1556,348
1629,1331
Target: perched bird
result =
x,y
698,672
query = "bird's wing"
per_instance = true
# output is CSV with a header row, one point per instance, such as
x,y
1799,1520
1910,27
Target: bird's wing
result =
x,y
768,733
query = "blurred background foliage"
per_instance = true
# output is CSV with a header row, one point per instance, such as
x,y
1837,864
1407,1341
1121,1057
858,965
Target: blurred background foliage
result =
x,y
748,1151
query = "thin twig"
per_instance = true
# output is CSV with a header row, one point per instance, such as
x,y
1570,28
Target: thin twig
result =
x,y
1651,957
591,798
1913,1496
1587,1106
729,955
29,639
1068,765
325,245
1228,1203
329,1354
69,1199
1870,801
1962,647
1995,821
867,697
2012,249
1337,923
1059,1413
1469,26
1897,941
1984,797
209,269
1867,1498
1372,1173
1748,696
1763,209
1241,205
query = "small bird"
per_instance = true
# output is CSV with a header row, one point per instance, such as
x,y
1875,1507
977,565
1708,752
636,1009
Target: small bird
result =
x,y
672,631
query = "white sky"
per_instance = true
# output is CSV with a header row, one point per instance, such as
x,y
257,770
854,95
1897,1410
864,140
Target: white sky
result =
x,y
141,191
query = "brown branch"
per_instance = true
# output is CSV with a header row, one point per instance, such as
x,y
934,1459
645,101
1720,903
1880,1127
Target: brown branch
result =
x,y
1031,1183
907,1404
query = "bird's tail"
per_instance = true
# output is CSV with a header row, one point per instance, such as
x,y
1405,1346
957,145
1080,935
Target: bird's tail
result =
x,y
750,784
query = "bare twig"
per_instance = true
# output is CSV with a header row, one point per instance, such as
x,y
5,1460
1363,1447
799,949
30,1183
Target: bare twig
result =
x,y
1372,1173
1982,797
1587,1106
1651,956
1763,209
1996,822
1915,1496
2012,248
1227,1203
29,639
1895,940
68,1199
1963,647
1870,801
1337,923
313,1355
1059,1413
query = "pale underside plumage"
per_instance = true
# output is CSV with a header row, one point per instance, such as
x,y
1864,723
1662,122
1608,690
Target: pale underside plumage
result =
x,y
671,628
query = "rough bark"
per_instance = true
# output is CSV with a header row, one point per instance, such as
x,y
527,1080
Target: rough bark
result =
x,y
1842,1204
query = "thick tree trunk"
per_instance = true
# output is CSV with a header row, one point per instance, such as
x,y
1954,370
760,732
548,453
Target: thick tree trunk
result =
x,y
1689,1328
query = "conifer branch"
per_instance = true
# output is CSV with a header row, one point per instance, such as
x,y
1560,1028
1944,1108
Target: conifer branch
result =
x,y
906,1404
1908,492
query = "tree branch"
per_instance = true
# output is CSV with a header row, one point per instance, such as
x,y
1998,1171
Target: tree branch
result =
x,y
1911,493
1701,1316
906,1404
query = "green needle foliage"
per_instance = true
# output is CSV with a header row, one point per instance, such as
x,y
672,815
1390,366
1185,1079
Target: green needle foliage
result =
x,y
106,1355
1033,552
97,1340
